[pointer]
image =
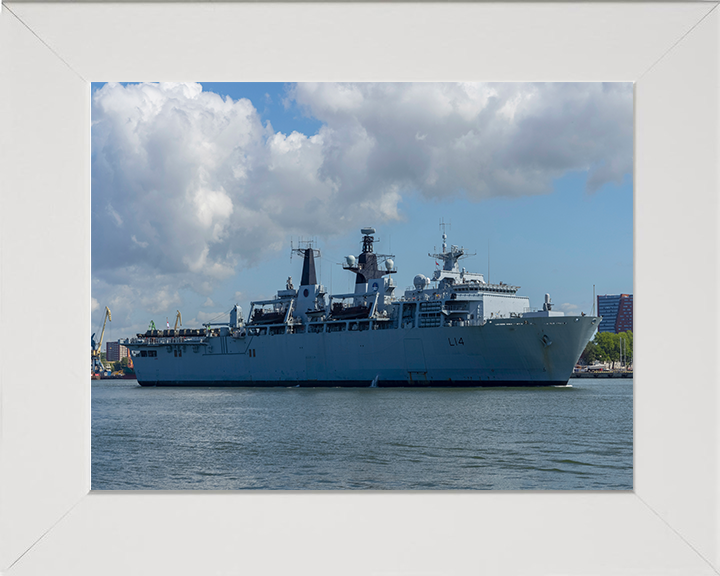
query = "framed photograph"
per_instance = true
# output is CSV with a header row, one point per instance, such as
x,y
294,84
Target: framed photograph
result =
x,y
49,518
316,372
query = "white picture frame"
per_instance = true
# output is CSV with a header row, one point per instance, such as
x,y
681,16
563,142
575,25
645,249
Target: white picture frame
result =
x,y
49,520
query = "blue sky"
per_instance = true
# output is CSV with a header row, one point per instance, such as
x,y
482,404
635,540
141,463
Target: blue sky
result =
x,y
196,198
269,99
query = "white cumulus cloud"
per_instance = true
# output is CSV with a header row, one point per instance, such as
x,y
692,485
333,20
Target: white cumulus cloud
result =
x,y
189,187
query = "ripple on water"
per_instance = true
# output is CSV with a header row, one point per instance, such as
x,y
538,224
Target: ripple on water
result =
x,y
361,439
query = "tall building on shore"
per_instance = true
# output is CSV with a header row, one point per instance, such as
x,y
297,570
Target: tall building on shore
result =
x,y
616,311
115,352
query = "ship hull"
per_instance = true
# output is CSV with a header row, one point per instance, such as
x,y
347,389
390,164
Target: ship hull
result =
x,y
507,352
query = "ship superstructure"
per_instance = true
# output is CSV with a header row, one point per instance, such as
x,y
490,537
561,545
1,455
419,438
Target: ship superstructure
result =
x,y
453,329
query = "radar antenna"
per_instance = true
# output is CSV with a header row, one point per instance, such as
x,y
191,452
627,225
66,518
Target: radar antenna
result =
x,y
366,266
304,246
450,258
306,250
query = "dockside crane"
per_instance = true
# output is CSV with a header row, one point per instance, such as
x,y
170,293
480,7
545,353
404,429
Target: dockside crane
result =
x,y
178,318
95,349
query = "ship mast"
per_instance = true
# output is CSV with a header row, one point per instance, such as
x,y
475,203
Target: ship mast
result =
x,y
305,249
366,266
450,259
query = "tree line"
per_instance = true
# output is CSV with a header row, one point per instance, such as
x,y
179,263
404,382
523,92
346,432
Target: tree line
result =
x,y
123,365
608,347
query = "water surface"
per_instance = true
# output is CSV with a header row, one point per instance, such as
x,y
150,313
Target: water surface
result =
x,y
574,438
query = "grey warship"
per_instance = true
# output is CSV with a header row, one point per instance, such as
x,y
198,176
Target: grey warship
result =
x,y
451,330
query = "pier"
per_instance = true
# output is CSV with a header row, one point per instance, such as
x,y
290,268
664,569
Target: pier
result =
x,y
603,374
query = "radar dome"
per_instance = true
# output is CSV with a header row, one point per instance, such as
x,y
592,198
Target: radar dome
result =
x,y
367,231
350,260
420,281
389,264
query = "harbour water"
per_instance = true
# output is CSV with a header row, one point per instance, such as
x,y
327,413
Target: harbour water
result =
x,y
559,438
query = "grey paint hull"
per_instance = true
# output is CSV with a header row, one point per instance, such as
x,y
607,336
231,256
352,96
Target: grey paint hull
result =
x,y
508,352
